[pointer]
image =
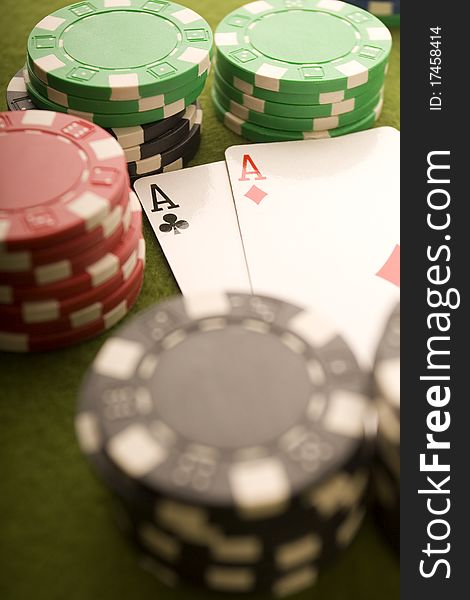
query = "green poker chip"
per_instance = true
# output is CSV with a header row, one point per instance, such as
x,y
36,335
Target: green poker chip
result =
x,y
112,107
295,110
120,49
256,133
117,120
307,99
292,123
302,46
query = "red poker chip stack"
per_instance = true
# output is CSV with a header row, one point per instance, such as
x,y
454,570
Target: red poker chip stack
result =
x,y
71,248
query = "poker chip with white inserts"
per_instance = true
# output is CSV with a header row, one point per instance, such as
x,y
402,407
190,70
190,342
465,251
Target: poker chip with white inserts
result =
x,y
71,253
39,207
26,260
299,66
76,265
184,149
172,414
130,119
86,105
337,45
258,133
120,50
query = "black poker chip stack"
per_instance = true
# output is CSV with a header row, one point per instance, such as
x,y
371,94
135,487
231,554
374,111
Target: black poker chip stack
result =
x,y
236,435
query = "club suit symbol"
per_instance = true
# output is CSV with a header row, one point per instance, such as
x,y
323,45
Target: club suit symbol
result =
x,y
173,224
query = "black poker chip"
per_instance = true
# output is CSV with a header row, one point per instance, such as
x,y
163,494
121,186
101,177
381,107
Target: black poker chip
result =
x,y
185,148
172,415
300,549
17,95
299,538
229,399
141,134
166,141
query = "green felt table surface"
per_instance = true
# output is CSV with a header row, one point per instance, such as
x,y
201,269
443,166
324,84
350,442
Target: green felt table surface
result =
x,y
57,536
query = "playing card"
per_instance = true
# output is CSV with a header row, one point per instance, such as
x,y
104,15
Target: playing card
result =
x,y
320,226
193,216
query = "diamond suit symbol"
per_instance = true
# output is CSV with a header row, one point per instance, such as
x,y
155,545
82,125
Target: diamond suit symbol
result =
x,y
256,194
391,269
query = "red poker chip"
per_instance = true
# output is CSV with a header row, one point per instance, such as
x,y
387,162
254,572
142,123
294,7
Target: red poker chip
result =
x,y
67,267
26,260
78,318
59,176
92,276
43,311
23,342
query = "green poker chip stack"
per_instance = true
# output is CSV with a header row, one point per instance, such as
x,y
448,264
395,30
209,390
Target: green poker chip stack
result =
x,y
299,69
121,63
130,66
